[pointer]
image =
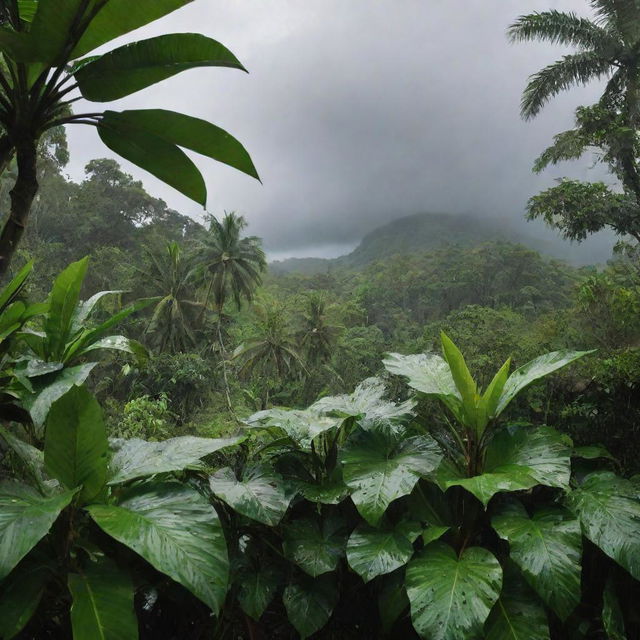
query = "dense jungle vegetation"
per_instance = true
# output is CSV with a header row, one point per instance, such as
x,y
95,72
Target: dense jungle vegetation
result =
x,y
440,443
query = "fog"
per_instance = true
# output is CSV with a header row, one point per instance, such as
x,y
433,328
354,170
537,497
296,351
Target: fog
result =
x,y
360,111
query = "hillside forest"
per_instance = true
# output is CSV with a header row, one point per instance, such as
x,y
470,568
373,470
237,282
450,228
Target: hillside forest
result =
x,y
432,439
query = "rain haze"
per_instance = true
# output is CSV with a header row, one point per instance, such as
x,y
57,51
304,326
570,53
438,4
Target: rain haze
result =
x,y
357,112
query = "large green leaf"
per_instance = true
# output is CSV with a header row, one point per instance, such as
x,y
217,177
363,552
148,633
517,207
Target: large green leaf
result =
x,y
374,552
31,457
516,459
177,531
102,606
152,153
428,373
466,385
138,65
392,599
367,403
609,510
547,548
260,495
136,458
492,394
118,17
76,446
52,388
25,518
380,467
257,587
194,134
301,426
329,490
518,614
315,546
20,596
451,596
310,602
534,370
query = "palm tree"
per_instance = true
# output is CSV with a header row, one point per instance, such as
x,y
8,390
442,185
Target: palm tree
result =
x,y
272,352
231,266
606,46
318,336
172,278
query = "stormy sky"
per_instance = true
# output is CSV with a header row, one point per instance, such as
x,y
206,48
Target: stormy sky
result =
x,y
360,111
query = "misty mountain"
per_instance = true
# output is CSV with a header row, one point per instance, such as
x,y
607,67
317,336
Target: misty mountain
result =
x,y
426,231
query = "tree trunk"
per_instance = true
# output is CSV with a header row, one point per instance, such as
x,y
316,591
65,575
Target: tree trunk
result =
x,y
223,354
22,196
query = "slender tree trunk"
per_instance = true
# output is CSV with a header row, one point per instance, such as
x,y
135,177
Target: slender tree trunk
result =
x,y
22,196
223,354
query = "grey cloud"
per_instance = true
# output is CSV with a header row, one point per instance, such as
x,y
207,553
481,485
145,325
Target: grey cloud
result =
x,y
359,111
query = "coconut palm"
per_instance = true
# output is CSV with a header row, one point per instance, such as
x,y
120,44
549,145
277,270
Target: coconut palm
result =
x,y
318,336
231,266
606,46
171,276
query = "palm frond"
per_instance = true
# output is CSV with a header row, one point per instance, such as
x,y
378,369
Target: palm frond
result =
x,y
568,145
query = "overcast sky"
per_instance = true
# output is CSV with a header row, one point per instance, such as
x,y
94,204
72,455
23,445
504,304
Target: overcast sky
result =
x,y
359,111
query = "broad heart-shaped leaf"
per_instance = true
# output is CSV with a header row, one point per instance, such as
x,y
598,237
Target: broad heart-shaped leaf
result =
x,y
257,587
136,458
310,602
534,370
518,614
315,546
194,134
25,518
367,403
140,64
177,531
547,548
380,466
20,596
609,511
374,552
102,604
76,446
451,596
118,17
301,426
517,459
152,153
260,495
330,490
51,388
428,373
63,300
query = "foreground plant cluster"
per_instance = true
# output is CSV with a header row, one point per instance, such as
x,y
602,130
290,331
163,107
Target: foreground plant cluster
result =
x,y
353,517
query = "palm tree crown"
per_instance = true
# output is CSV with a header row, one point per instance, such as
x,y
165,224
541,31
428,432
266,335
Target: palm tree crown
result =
x,y
606,46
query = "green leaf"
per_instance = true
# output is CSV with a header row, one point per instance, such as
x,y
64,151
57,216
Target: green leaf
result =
x,y
31,458
612,617
39,403
330,490
516,459
463,380
392,599
20,596
493,392
13,289
257,587
609,511
139,65
433,533
85,309
260,495
368,404
429,374
380,467
194,134
374,552
118,17
177,531
547,548
102,606
152,153
136,458
302,427
76,446
591,452
25,518
63,301
27,9
310,602
316,547
451,596
518,614
534,370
